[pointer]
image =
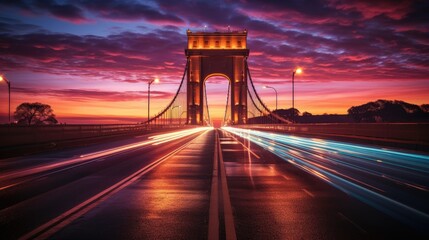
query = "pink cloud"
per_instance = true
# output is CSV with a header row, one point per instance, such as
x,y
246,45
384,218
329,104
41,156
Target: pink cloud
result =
x,y
371,9
84,95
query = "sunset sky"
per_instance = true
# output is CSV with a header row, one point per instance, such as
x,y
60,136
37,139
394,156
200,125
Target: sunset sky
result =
x,y
91,59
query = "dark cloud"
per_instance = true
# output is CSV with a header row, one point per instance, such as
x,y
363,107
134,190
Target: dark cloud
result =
x,y
60,9
13,26
74,11
112,57
368,9
128,10
67,11
333,40
313,8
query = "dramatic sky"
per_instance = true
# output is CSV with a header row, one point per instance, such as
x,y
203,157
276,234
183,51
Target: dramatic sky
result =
x,y
91,59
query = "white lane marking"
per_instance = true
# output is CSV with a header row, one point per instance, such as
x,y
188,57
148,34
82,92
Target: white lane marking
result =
x,y
41,178
308,193
248,149
229,142
353,223
285,177
8,186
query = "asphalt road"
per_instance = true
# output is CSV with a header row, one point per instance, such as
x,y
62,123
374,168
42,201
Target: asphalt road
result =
x,y
35,190
170,202
273,199
207,184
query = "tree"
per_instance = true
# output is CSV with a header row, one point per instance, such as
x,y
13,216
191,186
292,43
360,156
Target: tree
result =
x,y
387,111
34,114
288,113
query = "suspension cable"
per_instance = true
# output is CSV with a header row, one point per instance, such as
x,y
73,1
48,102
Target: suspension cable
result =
x,y
271,114
227,101
175,96
207,103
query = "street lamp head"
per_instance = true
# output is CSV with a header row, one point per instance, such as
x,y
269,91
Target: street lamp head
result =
x,y
298,70
156,80
3,78
264,86
269,87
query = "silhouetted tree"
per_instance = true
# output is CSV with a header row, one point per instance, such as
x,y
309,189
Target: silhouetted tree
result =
x,y
387,111
34,114
287,113
306,114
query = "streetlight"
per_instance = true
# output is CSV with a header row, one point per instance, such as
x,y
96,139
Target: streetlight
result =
x,y
299,71
3,78
171,112
155,80
274,91
180,117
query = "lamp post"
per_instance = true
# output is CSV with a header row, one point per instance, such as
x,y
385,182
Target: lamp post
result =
x,y
2,78
155,80
299,71
180,117
172,112
274,91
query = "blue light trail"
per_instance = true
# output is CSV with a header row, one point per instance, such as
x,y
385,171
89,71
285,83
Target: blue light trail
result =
x,y
394,182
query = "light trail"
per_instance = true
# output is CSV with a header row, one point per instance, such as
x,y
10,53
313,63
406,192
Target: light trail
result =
x,y
52,226
394,182
85,158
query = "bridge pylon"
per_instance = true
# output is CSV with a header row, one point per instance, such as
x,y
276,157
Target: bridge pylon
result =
x,y
217,54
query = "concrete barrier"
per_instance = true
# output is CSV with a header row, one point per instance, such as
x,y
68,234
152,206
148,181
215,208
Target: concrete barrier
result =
x,y
30,135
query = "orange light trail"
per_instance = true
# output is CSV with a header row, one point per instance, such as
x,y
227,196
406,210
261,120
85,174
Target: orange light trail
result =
x,y
85,158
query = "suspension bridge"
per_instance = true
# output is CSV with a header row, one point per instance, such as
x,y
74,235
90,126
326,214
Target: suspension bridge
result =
x,y
223,54
259,176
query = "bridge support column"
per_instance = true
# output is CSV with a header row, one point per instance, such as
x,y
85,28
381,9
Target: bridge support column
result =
x,y
216,54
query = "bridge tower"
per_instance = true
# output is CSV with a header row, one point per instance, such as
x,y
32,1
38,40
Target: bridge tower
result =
x,y
216,54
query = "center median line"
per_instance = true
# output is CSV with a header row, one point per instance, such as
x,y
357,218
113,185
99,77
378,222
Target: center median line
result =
x,y
227,208
214,197
51,227
219,169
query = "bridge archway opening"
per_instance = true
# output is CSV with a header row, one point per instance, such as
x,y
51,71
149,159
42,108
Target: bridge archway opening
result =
x,y
217,95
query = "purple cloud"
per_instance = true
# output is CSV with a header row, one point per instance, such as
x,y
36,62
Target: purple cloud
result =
x,y
77,11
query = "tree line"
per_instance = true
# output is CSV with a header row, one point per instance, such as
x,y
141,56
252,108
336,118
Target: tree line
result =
x,y
377,111
389,111
371,112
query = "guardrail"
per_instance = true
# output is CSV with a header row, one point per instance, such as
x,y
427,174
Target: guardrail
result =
x,y
412,133
11,135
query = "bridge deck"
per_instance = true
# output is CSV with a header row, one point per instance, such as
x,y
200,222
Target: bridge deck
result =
x,y
209,184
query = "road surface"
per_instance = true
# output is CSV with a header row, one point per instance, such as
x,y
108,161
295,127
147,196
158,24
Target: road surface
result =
x,y
198,184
